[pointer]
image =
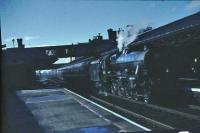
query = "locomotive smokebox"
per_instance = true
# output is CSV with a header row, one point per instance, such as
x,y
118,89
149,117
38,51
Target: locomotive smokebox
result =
x,y
112,35
20,43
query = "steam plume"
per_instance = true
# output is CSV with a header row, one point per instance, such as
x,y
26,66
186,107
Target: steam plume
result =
x,y
126,37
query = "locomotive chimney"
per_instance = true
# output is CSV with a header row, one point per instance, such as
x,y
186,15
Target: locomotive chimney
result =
x,y
112,35
20,43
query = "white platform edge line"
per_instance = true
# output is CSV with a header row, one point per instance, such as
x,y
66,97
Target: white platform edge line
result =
x,y
118,115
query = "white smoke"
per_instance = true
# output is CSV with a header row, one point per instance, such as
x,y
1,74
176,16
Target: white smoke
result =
x,y
126,37
120,40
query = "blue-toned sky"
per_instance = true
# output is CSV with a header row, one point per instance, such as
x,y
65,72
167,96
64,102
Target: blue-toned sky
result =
x,y
58,22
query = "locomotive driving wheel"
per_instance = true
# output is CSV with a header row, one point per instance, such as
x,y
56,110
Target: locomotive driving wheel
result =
x,y
117,87
128,89
145,88
147,91
114,88
133,91
121,88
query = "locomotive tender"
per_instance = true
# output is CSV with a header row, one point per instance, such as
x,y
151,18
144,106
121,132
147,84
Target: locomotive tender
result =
x,y
146,70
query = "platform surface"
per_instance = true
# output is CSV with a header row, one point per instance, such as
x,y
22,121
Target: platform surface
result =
x,y
60,111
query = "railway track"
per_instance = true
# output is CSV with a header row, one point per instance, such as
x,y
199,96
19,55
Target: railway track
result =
x,y
152,116
153,124
192,111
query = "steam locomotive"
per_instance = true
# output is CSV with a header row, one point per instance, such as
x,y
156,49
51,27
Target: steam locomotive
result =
x,y
145,75
158,65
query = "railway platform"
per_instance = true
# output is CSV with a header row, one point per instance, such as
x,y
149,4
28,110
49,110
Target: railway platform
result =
x,y
60,110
